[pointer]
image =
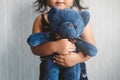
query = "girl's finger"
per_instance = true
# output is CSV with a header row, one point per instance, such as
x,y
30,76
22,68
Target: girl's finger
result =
x,y
60,63
58,60
59,56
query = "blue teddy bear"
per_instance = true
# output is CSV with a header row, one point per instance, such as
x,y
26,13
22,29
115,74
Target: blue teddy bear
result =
x,y
65,23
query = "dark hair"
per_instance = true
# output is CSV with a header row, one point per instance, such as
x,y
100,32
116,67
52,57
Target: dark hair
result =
x,y
42,5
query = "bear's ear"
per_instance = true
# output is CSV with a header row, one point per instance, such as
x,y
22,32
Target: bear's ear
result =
x,y
86,16
51,12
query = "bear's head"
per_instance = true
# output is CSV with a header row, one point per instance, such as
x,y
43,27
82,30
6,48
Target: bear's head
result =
x,y
68,23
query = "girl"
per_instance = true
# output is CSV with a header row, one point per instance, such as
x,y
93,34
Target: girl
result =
x,y
63,46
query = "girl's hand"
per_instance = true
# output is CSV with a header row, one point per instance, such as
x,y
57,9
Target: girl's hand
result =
x,y
64,46
68,60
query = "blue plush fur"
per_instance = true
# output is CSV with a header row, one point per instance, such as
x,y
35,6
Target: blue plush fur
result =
x,y
66,23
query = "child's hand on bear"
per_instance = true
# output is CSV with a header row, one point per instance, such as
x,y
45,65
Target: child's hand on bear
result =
x,y
64,46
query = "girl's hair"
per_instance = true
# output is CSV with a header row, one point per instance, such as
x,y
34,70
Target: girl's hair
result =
x,y
42,5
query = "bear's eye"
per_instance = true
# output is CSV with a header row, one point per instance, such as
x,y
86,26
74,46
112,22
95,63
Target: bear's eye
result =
x,y
69,24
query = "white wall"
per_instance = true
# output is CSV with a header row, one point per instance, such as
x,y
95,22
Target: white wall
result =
x,y
105,15
18,63
16,60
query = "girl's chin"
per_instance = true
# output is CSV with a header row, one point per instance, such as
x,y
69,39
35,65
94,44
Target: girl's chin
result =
x,y
60,7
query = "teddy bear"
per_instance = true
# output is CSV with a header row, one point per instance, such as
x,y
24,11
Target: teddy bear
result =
x,y
64,24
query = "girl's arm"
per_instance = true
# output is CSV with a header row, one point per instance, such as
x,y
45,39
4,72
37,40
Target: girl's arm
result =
x,y
72,58
48,48
39,50
88,34
88,37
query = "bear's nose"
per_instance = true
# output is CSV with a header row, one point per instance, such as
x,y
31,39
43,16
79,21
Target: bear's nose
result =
x,y
75,26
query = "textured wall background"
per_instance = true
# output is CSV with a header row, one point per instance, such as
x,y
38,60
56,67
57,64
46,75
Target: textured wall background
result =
x,y
18,63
